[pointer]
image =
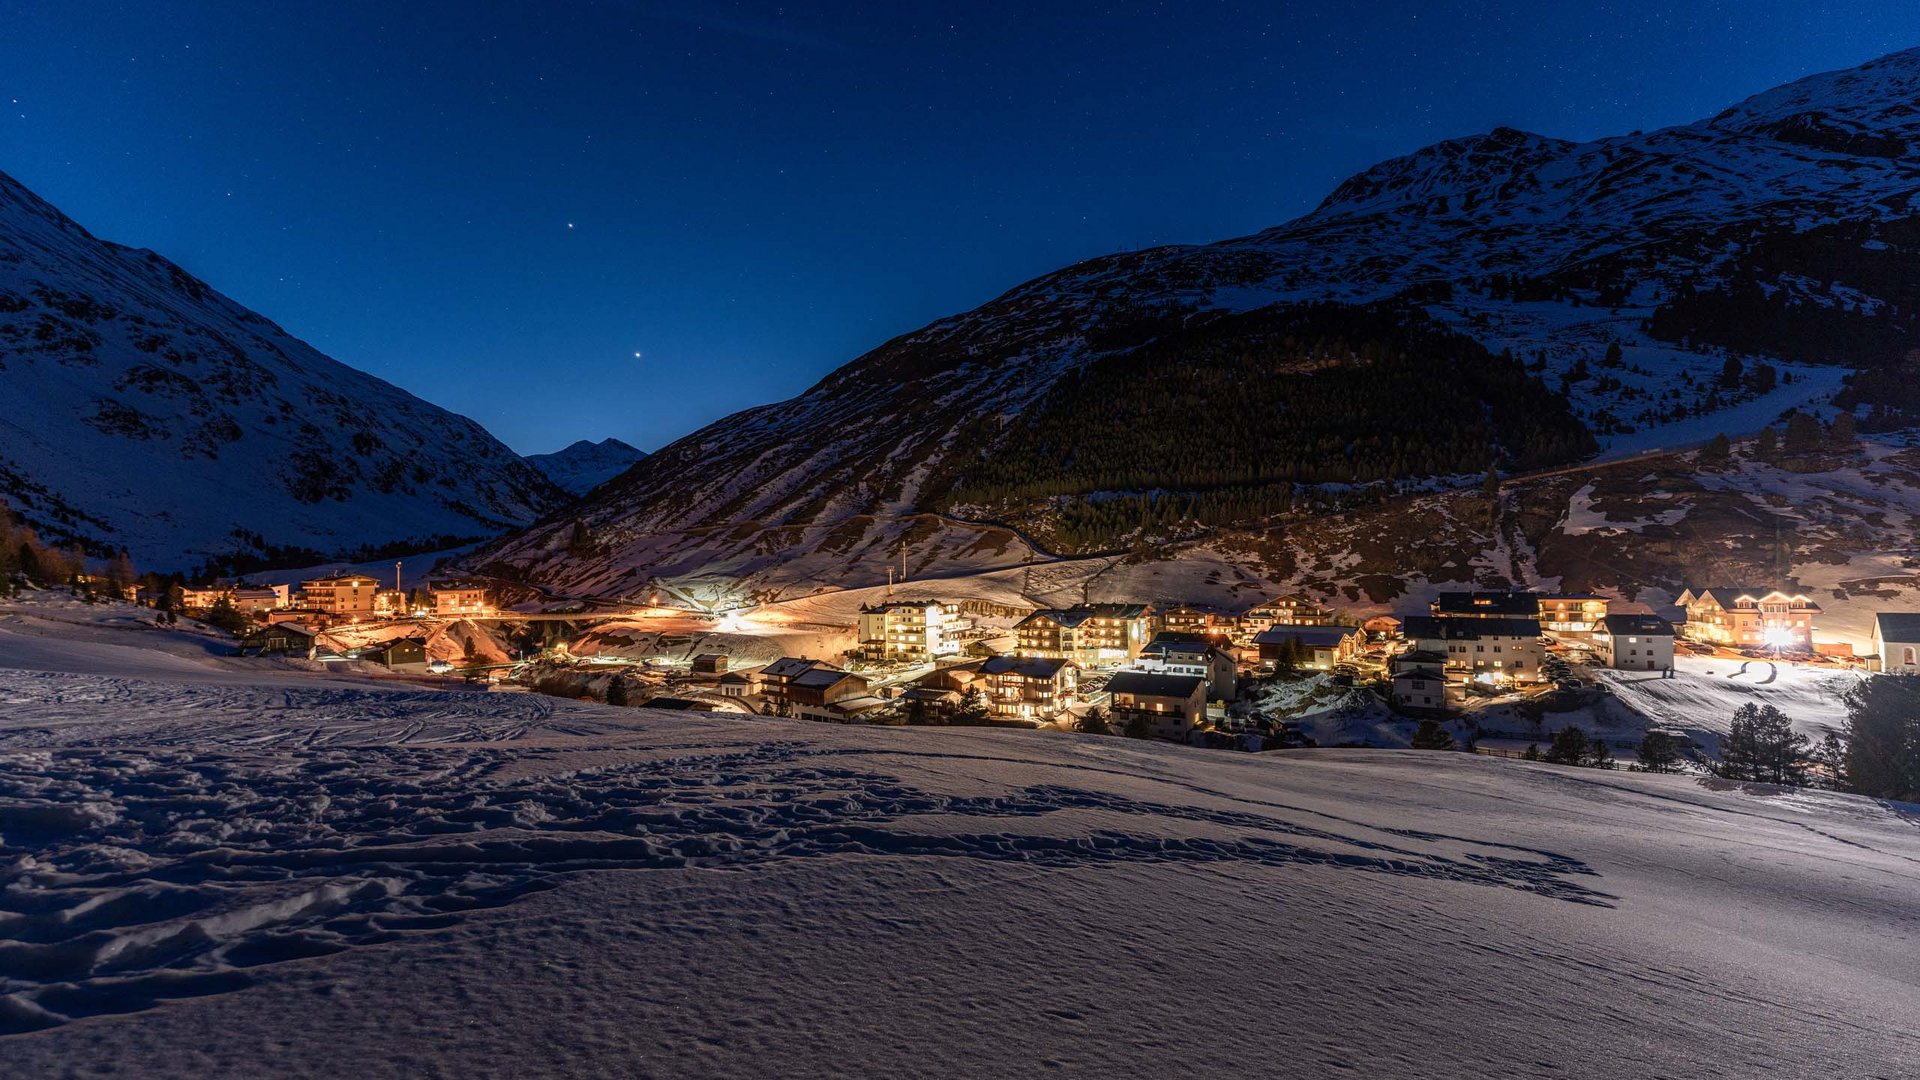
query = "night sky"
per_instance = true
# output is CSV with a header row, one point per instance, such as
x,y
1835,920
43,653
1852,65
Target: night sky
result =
x,y
632,218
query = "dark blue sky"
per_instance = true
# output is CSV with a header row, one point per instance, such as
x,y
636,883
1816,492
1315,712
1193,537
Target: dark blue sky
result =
x,y
497,205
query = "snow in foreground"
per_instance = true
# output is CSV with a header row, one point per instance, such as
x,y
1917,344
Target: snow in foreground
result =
x,y
207,869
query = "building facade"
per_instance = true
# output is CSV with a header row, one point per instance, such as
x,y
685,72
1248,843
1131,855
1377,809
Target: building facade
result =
x,y
910,631
349,595
1488,649
1572,613
1635,642
1896,641
1751,618
1092,635
1318,648
457,600
1173,653
1028,687
1172,704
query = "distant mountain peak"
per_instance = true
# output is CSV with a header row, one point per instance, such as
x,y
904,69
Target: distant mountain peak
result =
x,y
585,464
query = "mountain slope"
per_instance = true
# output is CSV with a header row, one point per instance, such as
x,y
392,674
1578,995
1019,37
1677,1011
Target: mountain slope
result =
x,y
585,465
148,412
1782,223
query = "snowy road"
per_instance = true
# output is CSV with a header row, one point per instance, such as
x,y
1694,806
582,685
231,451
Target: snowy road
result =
x,y
206,870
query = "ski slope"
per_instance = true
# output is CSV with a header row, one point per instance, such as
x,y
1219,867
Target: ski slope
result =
x,y
208,869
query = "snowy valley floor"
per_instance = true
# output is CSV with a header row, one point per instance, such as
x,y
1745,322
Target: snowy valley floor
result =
x,y
213,868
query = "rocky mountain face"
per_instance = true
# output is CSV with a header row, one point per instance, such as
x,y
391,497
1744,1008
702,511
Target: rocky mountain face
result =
x,y
145,411
1604,298
586,465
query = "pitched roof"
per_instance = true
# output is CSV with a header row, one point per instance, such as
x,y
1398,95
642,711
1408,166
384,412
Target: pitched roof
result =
x,y
1433,626
1322,637
1032,667
1518,604
820,677
1151,684
1419,673
1074,616
1638,625
1728,596
1898,626
789,666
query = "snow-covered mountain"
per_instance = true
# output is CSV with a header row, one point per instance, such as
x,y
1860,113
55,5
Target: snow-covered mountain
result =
x,y
1781,231
586,465
145,411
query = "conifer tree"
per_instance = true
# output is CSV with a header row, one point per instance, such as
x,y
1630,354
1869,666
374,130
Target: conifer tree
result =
x,y
1432,736
1882,738
1569,746
617,692
1094,722
1761,745
1658,752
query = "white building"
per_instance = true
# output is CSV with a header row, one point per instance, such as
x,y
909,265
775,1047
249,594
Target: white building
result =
x,y
911,631
1173,653
1491,649
1896,641
1420,688
1634,642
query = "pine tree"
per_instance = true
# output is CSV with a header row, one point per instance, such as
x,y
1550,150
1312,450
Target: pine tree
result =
x,y
1658,752
1761,745
1730,373
617,692
1139,727
579,542
1613,357
1531,753
916,712
1845,433
1599,755
1719,448
1432,736
1093,723
224,616
1569,746
1882,737
1767,445
1803,433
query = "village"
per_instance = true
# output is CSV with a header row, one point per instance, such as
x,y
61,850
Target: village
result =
x,y
1180,673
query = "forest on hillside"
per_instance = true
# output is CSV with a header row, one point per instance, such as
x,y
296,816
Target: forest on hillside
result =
x,y
1228,417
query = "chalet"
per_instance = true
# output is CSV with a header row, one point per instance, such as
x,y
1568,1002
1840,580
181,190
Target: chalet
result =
x,y
1382,627
1317,648
401,654
457,600
1572,613
1420,688
1751,618
805,688
1487,605
1292,610
1187,621
1173,704
1896,641
1635,642
1485,648
910,631
1028,687
1090,635
1174,653
348,594
710,664
286,637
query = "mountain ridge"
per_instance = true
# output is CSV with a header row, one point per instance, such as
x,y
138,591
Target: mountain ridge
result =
x,y
1622,270
118,360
